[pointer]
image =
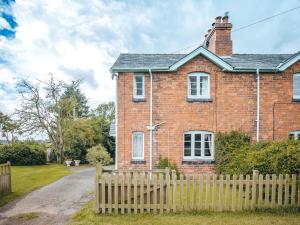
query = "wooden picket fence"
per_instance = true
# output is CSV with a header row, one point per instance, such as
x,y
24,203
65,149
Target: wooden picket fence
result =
x,y
5,179
138,192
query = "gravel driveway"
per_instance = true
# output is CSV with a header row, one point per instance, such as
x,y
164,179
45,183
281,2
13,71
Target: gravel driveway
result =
x,y
54,203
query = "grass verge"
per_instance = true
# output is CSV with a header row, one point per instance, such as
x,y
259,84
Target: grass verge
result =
x,y
28,178
86,216
28,216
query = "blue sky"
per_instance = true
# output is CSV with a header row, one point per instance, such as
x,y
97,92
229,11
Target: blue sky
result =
x,y
80,39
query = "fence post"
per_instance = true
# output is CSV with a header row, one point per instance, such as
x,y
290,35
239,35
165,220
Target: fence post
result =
x,y
267,191
279,193
221,180
286,189
254,182
240,196
298,187
293,194
260,190
174,181
98,174
9,181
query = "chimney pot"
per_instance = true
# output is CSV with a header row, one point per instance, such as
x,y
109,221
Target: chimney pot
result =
x,y
218,19
225,19
218,39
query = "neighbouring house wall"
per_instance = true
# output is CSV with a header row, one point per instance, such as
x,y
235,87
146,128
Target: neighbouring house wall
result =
x,y
233,107
279,114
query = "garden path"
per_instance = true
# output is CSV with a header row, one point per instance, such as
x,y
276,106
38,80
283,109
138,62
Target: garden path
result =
x,y
52,204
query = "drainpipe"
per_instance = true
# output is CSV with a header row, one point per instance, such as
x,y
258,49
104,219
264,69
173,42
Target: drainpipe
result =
x,y
257,104
150,127
116,122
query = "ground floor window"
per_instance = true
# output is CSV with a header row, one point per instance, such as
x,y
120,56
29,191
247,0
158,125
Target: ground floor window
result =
x,y
137,145
198,145
294,135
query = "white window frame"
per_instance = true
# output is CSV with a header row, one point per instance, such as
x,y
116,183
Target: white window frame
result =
x,y
134,86
294,83
137,158
202,157
295,133
198,75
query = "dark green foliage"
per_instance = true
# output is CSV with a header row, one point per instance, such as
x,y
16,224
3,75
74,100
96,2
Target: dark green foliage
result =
x,y
73,91
236,155
53,157
23,153
105,110
228,145
165,163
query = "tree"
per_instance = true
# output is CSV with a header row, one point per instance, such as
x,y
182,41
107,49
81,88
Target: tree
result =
x,y
104,114
81,108
45,111
106,111
7,127
80,135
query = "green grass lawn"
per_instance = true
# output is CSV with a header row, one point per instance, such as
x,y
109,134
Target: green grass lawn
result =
x,y
28,178
87,217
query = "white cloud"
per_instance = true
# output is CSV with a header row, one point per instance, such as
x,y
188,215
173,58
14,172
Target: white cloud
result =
x,y
82,38
4,24
52,35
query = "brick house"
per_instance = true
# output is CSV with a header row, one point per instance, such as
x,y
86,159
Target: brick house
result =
x,y
171,105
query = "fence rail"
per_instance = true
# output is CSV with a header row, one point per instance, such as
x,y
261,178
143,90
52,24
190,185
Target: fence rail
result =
x,y
5,179
139,192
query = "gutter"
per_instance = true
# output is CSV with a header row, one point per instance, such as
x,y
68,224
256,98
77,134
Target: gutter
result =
x,y
167,69
257,104
150,127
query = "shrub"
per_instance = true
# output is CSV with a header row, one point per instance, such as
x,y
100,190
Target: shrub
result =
x,y
23,153
227,146
98,154
53,157
236,155
76,153
165,163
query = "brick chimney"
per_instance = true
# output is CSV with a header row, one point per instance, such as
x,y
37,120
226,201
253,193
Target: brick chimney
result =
x,y
218,38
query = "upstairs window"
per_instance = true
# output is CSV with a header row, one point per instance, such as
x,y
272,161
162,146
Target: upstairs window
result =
x,y
139,86
199,85
137,145
198,145
296,86
294,135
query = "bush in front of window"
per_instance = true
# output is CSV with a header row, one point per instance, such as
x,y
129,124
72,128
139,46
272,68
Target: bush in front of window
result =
x,y
164,163
228,146
98,154
236,155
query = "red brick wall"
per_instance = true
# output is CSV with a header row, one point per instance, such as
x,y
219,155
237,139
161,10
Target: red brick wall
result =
x,y
233,107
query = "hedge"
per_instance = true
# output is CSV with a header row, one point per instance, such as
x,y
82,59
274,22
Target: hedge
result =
x,y
235,154
23,153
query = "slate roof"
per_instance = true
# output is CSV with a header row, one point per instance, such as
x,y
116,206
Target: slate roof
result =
x,y
256,60
144,61
141,61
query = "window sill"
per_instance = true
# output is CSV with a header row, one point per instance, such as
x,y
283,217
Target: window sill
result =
x,y
296,100
189,99
136,161
138,99
198,161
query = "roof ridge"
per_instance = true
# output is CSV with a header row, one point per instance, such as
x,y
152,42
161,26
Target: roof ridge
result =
x,y
153,53
264,53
